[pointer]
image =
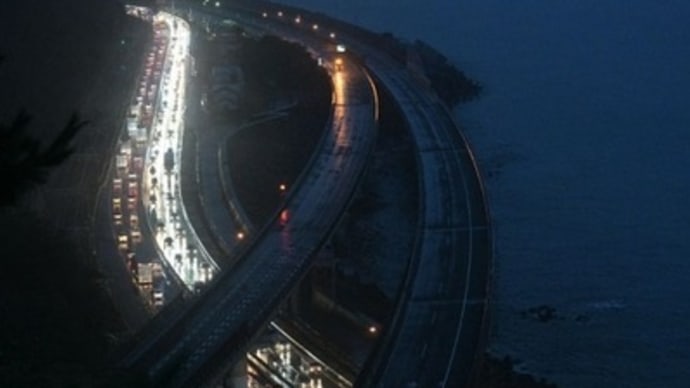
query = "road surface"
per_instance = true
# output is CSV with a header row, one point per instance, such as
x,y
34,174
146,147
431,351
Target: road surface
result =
x,y
439,321
241,301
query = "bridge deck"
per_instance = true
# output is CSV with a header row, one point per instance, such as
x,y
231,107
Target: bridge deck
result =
x,y
240,301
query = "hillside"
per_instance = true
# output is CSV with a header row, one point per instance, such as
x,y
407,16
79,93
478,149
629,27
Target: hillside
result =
x,y
58,321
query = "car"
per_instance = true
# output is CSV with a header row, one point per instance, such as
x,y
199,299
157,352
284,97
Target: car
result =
x,y
158,298
132,204
122,242
117,211
157,270
133,189
117,187
315,368
134,221
117,205
138,163
136,236
284,218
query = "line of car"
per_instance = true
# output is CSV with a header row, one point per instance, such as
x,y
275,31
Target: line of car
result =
x,y
127,190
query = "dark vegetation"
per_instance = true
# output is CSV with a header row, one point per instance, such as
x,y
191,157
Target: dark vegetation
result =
x,y
24,161
275,151
500,373
57,321
277,69
450,83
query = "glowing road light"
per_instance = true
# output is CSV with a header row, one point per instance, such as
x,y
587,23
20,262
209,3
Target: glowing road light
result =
x,y
373,329
217,4
340,48
282,187
315,27
280,14
240,235
332,35
284,216
298,20
264,14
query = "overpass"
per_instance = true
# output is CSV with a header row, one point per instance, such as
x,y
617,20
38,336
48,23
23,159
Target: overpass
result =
x,y
438,325
222,320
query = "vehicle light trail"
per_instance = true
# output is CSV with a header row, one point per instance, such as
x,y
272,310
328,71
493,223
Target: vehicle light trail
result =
x,y
177,242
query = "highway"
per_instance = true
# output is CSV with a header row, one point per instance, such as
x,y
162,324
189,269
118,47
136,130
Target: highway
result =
x,y
239,302
439,322
287,362
446,295
433,340
438,325
162,199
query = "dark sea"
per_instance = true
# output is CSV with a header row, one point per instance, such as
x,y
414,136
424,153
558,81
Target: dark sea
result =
x,y
583,133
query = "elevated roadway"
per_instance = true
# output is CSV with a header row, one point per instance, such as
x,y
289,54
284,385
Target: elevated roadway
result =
x,y
437,331
218,326
438,325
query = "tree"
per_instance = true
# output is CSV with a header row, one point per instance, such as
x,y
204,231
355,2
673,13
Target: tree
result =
x,y
24,162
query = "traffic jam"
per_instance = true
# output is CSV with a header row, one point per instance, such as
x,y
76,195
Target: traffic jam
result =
x,y
152,231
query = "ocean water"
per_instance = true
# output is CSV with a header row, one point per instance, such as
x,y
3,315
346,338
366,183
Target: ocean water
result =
x,y
583,132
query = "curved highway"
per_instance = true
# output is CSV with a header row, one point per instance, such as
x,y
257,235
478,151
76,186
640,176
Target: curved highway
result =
x,y
438,324
236,305
162,197
434,339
